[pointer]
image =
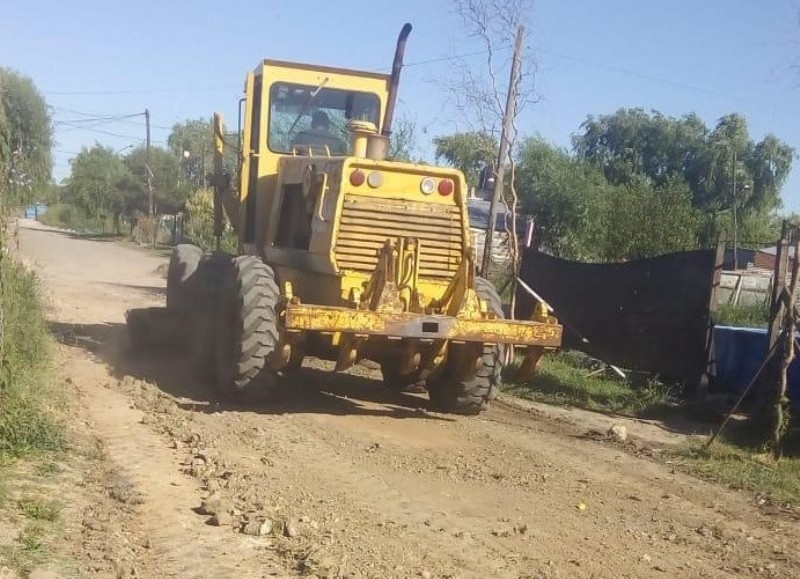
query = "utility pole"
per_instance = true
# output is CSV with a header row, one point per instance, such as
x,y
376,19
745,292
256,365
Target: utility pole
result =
x,y
148,173
508,126
735,251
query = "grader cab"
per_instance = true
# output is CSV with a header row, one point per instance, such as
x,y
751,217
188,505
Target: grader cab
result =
x,y
344,254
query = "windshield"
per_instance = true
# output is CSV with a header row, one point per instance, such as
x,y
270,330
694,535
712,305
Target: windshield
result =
x,y
313,119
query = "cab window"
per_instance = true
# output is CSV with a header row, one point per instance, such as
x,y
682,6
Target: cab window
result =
x,y
313,120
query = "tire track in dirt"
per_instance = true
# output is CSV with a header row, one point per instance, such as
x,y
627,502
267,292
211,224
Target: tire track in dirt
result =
x,y
180,545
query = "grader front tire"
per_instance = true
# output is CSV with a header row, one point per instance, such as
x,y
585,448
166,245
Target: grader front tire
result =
x,y
246,331
465,384
471,372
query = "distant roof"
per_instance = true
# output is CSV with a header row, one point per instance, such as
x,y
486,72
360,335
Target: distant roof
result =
x,y
773,250
479,216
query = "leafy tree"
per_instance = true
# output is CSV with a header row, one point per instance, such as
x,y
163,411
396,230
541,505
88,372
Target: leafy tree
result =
x,y
404,139
580,215
468,152
557,190
101,184
192,142
637,220
25,139
632,143
169,190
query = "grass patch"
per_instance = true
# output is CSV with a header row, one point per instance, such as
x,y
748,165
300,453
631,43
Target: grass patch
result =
x,y
747,316
737,460
743,469
562,380
30,424
27,424
39,509
29,550
47,469
66,216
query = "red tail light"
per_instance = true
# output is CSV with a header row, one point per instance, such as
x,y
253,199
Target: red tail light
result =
x,y
445,187
357,178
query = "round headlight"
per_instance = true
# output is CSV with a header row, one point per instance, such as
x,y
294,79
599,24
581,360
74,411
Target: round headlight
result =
x,y
427,186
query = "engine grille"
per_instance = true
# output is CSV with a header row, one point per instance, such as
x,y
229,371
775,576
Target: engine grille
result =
x,y
366,223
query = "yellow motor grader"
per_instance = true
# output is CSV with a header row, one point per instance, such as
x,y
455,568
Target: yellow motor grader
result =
x,y
344,254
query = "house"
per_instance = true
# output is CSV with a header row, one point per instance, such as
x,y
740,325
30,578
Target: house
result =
x,y
764,258
478,223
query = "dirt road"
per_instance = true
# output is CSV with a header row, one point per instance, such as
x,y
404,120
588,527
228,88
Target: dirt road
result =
x,y
355,481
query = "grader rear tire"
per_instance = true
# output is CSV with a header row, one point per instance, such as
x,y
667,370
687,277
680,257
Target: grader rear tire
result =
x,y
246,331
182,282
212,274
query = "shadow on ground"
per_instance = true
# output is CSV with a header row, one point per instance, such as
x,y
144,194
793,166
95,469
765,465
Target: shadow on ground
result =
x,y
309,390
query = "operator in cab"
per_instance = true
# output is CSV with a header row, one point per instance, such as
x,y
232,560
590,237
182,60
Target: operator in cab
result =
x,y
319,140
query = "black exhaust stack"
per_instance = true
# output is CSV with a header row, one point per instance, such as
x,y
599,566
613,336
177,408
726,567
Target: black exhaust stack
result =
x,y
394,81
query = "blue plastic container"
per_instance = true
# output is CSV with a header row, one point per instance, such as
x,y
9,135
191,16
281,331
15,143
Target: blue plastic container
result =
x,y
738,353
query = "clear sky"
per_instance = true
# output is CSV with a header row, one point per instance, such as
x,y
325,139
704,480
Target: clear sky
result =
x,y
187,59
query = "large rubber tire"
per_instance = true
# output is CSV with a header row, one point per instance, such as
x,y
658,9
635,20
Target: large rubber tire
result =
x,y
398,382
212,275
182,279
494,356
471,372
246,331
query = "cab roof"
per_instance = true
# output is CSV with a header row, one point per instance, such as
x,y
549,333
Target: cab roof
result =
x,y
326,69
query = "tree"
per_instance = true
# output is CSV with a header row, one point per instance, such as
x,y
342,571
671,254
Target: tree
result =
x,y
478,91
558,190
101,185
467,152
170,191
25,166
192,142
25,139
724,169
403,140
580,215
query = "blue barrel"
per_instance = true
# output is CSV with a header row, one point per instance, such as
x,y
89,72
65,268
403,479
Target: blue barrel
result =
x,y
738,353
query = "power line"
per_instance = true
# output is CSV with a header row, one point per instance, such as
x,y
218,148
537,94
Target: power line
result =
x,y
101,116
634,73
112,134
456,56
108,92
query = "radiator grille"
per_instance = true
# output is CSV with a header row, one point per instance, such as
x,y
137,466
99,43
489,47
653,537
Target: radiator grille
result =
x,y
366,223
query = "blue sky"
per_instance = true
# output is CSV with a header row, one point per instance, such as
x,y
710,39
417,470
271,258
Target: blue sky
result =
x,y
187,59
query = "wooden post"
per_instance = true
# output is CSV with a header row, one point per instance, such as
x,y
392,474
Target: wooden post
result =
x,y
505,139
778,285
713,296
787,354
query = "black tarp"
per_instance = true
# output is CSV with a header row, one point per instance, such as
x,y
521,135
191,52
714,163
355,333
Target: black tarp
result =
x,y
650,315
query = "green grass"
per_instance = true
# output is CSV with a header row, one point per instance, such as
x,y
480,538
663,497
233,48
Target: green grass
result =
x,y
39,509
743,469
68,216
31,432
752,316
29,550
27,424
736,460
561,381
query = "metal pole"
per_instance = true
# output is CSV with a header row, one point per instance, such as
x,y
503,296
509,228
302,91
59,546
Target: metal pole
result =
x,y
735,252
147,164
508,126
